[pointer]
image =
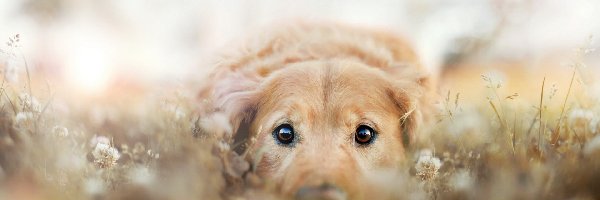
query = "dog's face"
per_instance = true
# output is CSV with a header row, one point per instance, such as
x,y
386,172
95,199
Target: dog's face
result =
x,y
320,127
319,107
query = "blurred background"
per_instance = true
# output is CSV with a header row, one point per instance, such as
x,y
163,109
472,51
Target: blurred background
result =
x,y
78,75
89,46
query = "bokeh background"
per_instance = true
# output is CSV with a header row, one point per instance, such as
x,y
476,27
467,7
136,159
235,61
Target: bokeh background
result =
x,y
88,46
97,97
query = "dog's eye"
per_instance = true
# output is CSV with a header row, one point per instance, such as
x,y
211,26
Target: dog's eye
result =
x,y
364,135
284,133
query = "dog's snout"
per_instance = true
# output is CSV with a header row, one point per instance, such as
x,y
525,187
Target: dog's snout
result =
x,y
322,192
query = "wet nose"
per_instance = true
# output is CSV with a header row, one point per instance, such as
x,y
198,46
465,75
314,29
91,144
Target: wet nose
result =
x,y
322,192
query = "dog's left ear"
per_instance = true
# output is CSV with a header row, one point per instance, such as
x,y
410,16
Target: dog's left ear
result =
x,y
413,94
227,102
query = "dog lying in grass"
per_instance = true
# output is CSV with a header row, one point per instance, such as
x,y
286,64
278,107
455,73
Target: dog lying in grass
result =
x,y
321,105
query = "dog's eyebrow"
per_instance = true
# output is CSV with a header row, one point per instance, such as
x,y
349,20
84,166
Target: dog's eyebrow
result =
x,y
276,118
277,115
364,120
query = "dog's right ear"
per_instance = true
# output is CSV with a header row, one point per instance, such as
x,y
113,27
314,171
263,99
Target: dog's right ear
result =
x,y
227,101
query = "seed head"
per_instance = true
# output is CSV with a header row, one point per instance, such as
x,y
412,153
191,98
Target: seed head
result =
x,y
427,166
105,156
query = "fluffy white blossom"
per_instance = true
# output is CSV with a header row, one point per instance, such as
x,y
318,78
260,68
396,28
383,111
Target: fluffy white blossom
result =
x,y
105,156
30,103
427,166
23,117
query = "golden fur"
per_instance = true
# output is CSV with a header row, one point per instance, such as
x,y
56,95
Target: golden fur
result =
x,y
325,80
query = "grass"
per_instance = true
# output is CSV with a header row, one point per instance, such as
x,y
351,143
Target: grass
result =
x,y
54,147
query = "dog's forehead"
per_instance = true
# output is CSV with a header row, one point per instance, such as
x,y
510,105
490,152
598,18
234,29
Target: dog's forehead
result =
x,y
325,88
312,79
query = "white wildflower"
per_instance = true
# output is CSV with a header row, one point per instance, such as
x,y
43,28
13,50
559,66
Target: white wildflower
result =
x,y
30,103
427,166
23,117
60,131
592,146
105,156
94,186
580,117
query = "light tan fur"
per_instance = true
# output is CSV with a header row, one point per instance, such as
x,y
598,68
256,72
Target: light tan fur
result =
x,y
326,80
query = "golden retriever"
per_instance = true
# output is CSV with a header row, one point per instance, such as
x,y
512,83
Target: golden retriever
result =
x,y
324,104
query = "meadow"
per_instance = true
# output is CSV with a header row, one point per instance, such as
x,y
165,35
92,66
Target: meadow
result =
x,y
142,143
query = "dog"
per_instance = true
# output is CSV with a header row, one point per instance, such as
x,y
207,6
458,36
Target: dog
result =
x,y
321,105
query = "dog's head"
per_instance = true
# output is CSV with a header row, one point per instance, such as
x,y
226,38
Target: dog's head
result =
x,y
319,127
319,107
